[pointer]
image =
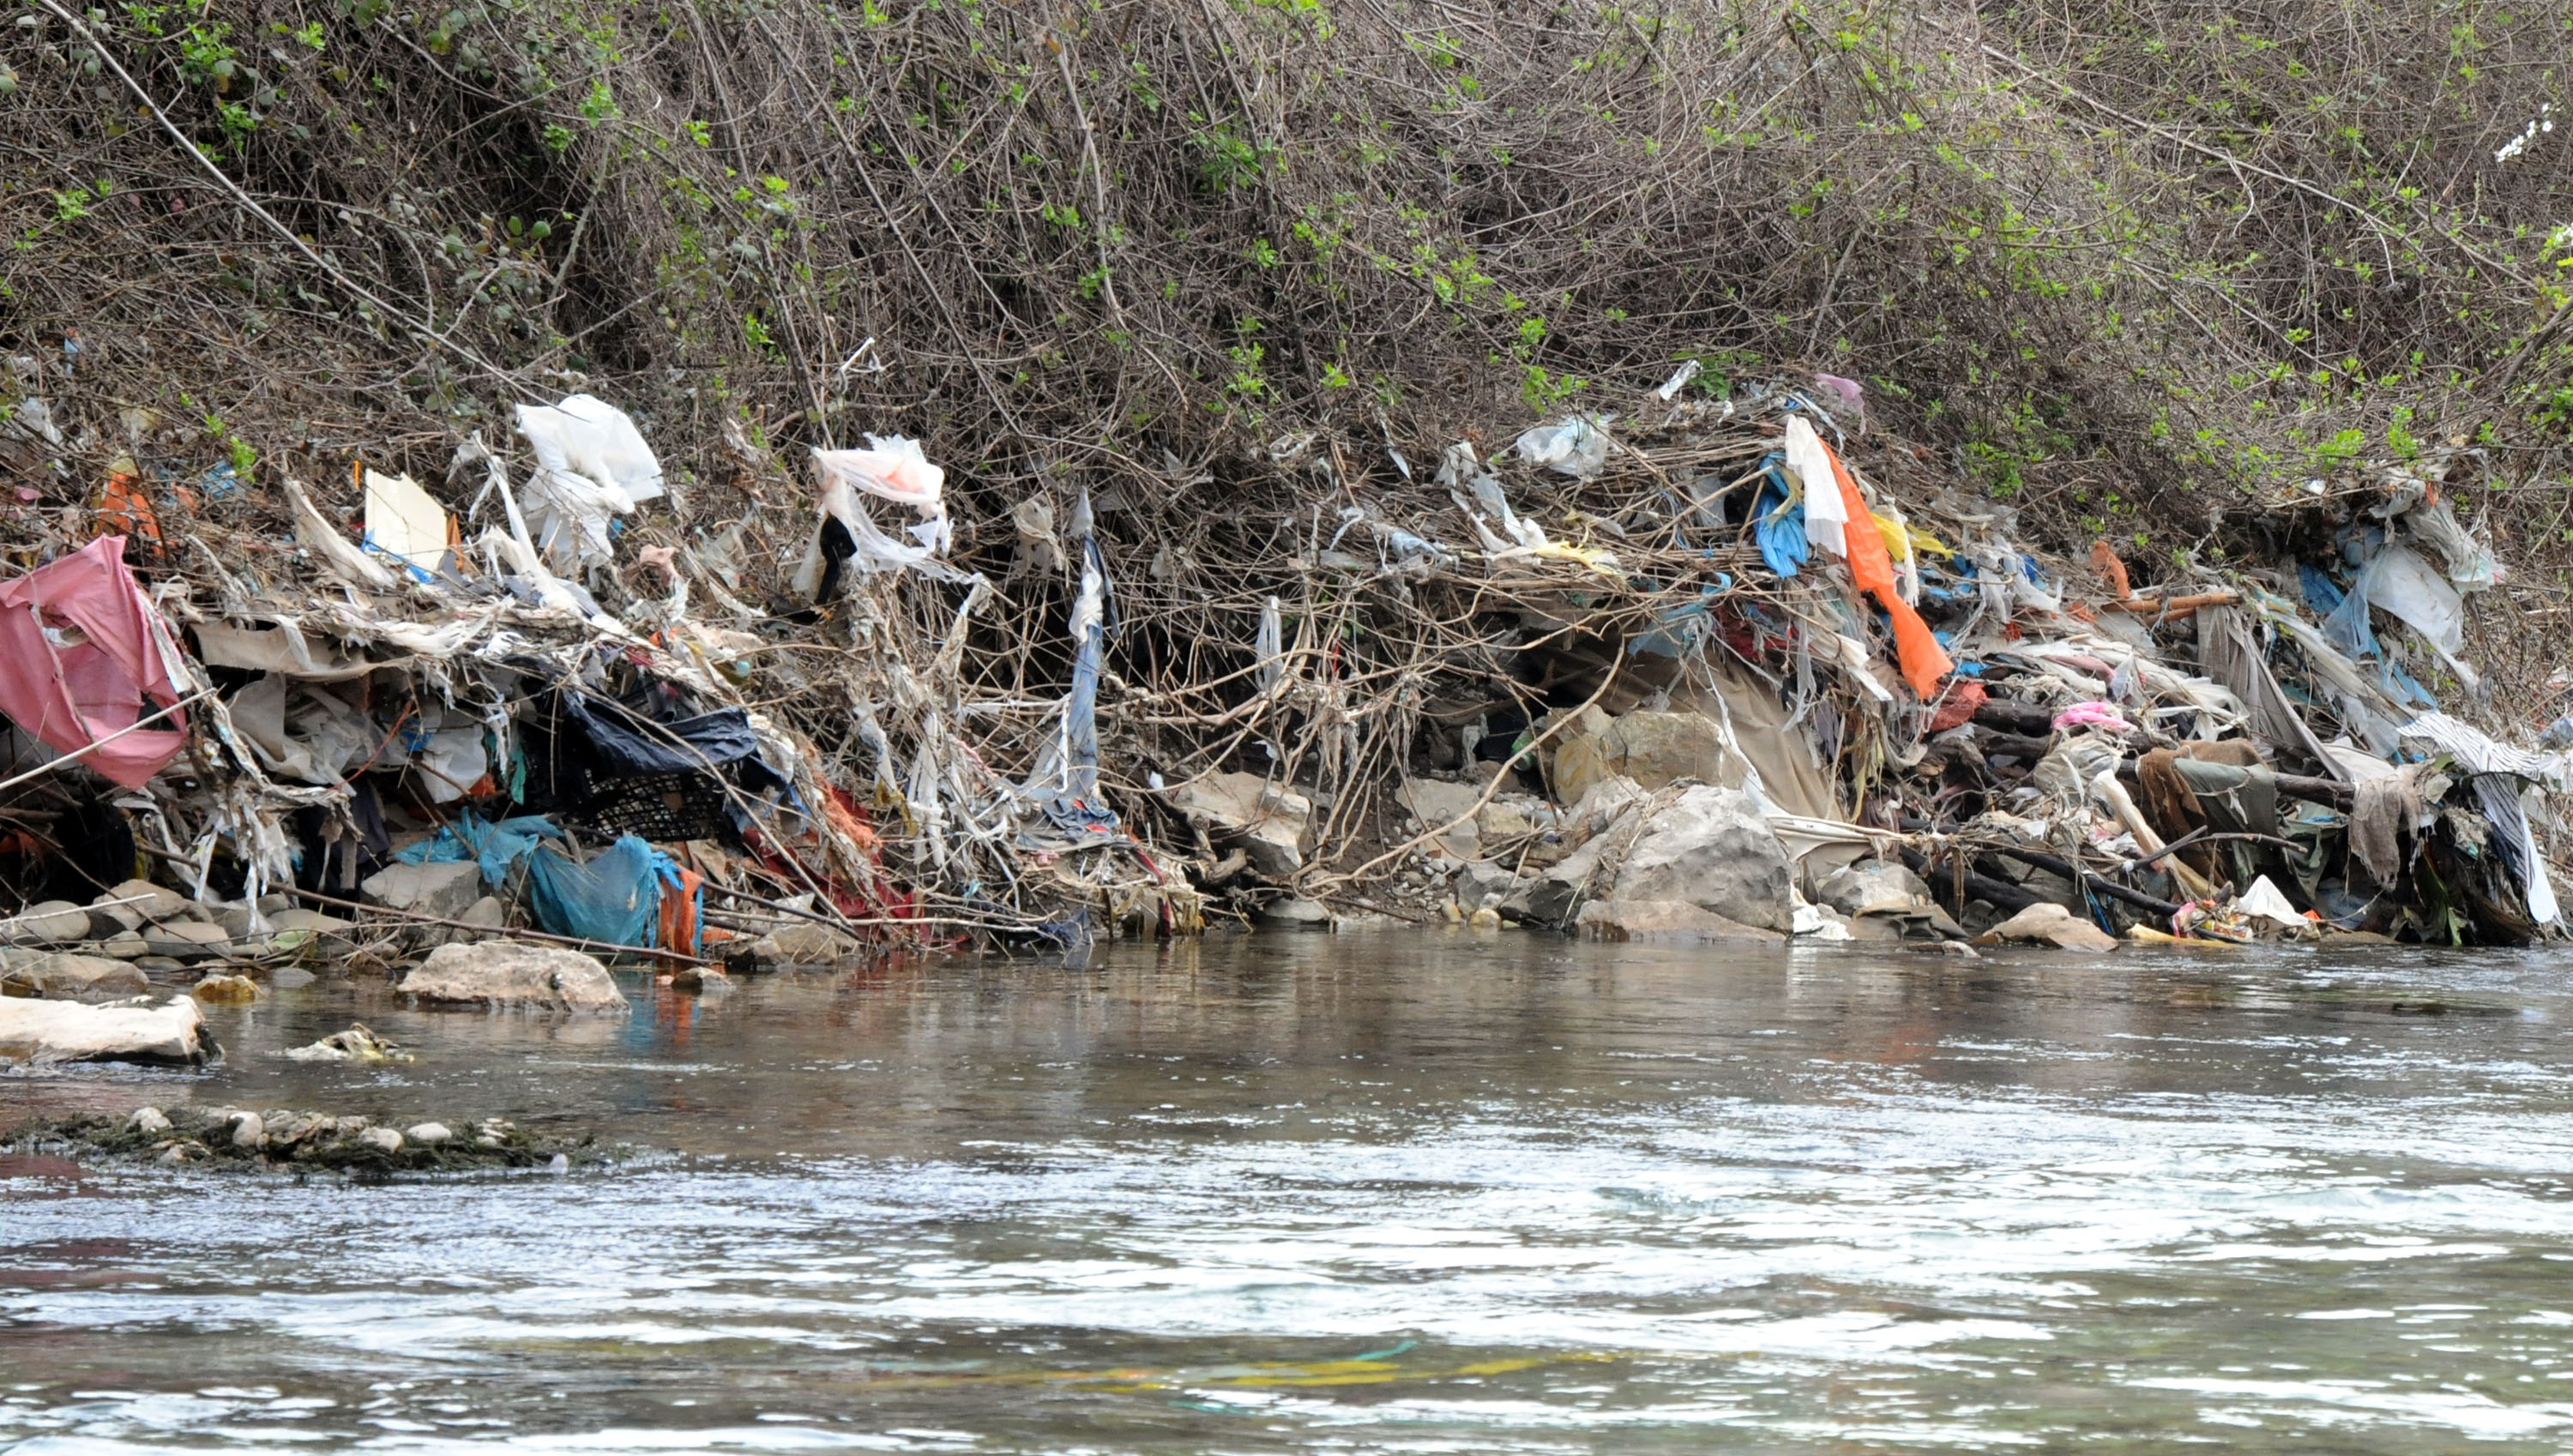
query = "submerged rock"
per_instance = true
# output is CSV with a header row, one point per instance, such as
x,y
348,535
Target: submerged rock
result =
x,y
2049,924
354,1044
1668,922
48,1032
1711,848
509,974
237,990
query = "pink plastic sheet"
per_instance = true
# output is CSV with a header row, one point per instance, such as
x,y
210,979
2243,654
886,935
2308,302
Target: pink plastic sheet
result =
x,y
78,662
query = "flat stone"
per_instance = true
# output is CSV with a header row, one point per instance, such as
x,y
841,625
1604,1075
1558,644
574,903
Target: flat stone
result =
x,y
2049,924
270,905
308,920
446,891
1667,922
509,973
702,980
807,943
1310,913
62,976
46,1031
125,946
150,902
53,922
1868,886
428,1134
187,940
159,965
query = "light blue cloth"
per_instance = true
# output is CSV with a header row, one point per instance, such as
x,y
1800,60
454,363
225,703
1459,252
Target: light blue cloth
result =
x,y
497,848
614,899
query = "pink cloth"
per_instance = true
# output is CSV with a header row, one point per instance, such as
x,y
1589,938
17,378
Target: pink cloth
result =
x,y
2093,715
69,697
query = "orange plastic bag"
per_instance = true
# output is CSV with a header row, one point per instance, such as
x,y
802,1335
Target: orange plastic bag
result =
x,y
1924,661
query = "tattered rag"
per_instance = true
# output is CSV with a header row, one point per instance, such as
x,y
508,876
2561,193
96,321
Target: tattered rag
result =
x,y
79,662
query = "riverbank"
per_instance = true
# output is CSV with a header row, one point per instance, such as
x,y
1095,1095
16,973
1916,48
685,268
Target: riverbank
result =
x,y
1266,1193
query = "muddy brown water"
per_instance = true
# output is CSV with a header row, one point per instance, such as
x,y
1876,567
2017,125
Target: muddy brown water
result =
x,y
1400,1193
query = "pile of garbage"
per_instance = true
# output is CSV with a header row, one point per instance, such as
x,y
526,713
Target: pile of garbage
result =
x,y
1714,668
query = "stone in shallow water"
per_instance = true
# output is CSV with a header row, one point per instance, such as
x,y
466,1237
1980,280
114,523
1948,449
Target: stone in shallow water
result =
x,y
45,1032
504,974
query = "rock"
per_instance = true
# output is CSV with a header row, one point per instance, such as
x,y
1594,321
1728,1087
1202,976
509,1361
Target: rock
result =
x,y
308,920
509,974
354,1044
1710,848
150,1122
1479,883
490,913
231,990
806,944
2049,924
148,902
47,1031
1486,919
186,1150
286,977
1656,750
1274,824
61,976
242,921
157,966
187,940
1311,913
1599,806
53,922
383,1138
1434,802
274,905
1554,895
125,946
446,891
428,1134
1866,885
702,980
1666,921
249,1129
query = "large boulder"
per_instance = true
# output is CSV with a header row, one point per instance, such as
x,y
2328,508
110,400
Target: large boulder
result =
x,y
1712,849
61,976
47,1031
1274,824
511,973
446,891
1656,750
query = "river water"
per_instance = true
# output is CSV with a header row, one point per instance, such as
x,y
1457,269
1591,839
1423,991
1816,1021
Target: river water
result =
x,y
1404,1192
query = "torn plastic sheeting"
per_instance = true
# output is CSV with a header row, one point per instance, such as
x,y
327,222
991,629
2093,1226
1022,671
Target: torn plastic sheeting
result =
x,y
79,657
282,648
299,731
2477,752
616,899
2469,563
2501,798
1924,661
1827,514
2268,902
1778,521
314,530
2398,581
1269,647
1066,782
627,743
494,847
452,761
587,438
847,536
1576,445
2230,656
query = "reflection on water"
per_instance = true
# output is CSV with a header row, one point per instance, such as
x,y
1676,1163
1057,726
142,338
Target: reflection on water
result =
x,y
1414,1192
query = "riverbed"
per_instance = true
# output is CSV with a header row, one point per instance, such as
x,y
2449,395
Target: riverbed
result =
x,y
1386,1192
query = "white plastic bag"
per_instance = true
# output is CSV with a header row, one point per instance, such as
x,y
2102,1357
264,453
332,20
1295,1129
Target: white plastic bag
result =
x,y
590,437
1574,447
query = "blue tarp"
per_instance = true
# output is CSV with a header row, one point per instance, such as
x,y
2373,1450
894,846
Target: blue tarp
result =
x,y
616,899
496,847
